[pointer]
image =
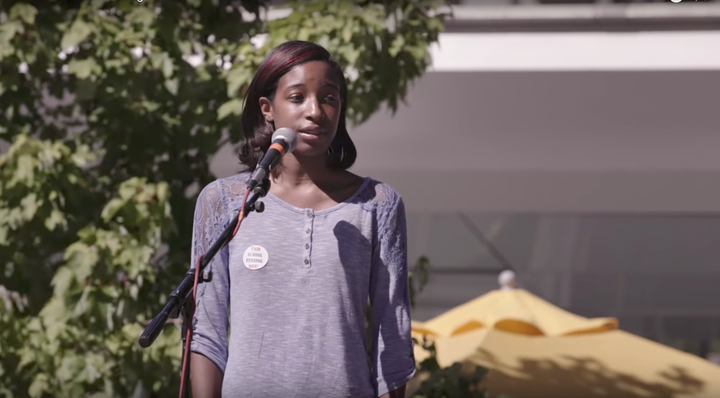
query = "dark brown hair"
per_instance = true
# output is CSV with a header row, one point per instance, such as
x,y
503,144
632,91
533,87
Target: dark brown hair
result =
x,y
257,131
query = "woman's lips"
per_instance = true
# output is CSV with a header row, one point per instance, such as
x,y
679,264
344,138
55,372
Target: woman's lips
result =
x,y
311,135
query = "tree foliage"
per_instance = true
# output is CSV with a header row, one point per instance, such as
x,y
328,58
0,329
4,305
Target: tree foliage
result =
x,y
459,380
462,379
113,110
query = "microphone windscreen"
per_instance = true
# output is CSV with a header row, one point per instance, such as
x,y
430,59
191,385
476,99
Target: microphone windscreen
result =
x,y
288,135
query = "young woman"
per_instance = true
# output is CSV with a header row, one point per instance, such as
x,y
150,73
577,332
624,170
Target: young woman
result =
x,y
296,279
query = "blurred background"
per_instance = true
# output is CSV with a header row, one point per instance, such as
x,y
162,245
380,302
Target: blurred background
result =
x,y
573,142
580,138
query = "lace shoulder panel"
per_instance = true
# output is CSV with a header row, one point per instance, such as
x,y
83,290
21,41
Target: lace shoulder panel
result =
x,y
212,210
233,189
378,195
208,211
387,204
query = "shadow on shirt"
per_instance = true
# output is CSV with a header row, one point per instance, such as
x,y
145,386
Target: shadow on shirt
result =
x,y
365,274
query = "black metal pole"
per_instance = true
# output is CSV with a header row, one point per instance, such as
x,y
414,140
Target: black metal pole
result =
x,y
186,324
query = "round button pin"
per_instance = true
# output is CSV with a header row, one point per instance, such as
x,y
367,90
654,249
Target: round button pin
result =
x,y
255,257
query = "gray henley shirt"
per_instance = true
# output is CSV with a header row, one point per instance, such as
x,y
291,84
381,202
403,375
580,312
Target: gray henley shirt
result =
x,y
295,284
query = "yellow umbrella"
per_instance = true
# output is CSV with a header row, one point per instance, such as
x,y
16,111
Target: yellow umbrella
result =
x,y
612,364
512,310
536,350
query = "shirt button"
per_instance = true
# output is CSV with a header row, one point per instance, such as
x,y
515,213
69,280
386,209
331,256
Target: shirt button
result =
x,y
307,245
309,214
307,261
307,231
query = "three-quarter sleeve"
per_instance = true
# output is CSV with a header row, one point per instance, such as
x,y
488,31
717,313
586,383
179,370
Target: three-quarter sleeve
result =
x,y
392,347
210,321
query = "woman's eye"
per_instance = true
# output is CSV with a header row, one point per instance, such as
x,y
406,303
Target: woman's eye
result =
x,y
296,98
330,99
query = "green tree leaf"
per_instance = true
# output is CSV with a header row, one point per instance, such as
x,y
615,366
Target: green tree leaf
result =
x,y
78,32
83,68
24,11
172,86
232,107
39,386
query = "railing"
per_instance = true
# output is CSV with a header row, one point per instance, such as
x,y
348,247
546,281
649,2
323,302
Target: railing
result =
x,y
568,15
581,15
565,2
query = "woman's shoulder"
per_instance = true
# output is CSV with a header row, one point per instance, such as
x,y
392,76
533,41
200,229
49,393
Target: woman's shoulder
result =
x,y
226,189
379,195
386,205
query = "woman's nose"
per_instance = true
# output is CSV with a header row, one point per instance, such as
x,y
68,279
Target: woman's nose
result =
x,y
312,110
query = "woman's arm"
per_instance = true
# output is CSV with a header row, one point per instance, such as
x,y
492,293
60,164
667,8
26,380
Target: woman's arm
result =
x,y
209,345
399,393
206,378
392,346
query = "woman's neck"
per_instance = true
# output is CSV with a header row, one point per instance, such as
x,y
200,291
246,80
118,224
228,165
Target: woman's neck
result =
x,y
302,171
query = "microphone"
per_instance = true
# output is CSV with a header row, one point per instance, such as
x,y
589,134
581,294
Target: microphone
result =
x,y
284,141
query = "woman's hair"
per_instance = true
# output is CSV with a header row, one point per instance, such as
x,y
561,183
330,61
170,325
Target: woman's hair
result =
x,y
258,131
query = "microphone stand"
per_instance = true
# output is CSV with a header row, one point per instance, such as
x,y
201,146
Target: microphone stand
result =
x,y
180,300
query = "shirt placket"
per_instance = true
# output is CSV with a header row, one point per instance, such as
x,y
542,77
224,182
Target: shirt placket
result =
x,y
309,224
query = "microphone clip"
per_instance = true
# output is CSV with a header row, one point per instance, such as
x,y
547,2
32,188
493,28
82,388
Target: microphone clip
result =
x,y
263,187
259,191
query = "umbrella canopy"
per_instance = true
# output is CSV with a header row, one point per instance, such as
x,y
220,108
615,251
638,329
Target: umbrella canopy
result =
x,y
536,350
512,310
613,364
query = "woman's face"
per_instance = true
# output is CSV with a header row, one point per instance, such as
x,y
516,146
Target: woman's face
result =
x,y
307,100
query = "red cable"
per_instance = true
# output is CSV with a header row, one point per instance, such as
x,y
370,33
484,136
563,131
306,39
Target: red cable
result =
x,y
188,335
241,215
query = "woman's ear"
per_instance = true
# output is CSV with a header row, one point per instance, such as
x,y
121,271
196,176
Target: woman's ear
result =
x,y
266,109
